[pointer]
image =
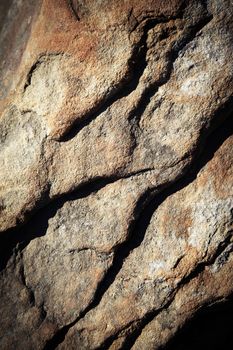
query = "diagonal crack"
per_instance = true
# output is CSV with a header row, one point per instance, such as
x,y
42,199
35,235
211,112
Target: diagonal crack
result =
x,y
140,50
138,64
149,92
141,324
145,205
208,317
18,238
144,210
73,7
125,249
148,317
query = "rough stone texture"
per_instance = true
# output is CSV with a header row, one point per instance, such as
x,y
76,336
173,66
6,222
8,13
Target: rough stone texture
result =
x,y
116,201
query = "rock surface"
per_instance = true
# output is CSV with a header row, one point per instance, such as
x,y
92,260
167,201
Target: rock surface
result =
x,y
116,201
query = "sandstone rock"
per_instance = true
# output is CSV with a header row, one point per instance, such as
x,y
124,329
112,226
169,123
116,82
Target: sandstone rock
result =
x,y
116,170
186,231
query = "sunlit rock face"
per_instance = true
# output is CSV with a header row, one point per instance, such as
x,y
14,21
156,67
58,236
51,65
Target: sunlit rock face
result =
x,y
116,201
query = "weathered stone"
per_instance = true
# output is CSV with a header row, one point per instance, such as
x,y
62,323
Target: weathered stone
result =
x,y
115,195
187,230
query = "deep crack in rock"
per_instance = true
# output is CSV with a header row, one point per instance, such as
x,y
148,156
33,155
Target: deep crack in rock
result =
x,y
142,220
115,198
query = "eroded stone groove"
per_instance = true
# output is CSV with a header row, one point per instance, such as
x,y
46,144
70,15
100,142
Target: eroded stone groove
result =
x,y
141,324
74,8
199,330
173,55
67,184
131,339
39,227
17,239
212,145
139,227
138,65
116,195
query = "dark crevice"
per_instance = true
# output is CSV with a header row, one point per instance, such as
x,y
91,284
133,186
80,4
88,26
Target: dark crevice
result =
x,y
109,342
30,73
150,202
213,142
59,337
205,4
209,329
137,65
16,239
172,56
121,252
201,266
139,325
74,10
17,235
102,287
179,338
141,48
195,273
131,339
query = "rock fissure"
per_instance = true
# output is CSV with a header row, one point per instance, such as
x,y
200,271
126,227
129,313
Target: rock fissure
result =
x,y
144,210
142,323
151,90
116,203
73,7
138,65
210,315
35,227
